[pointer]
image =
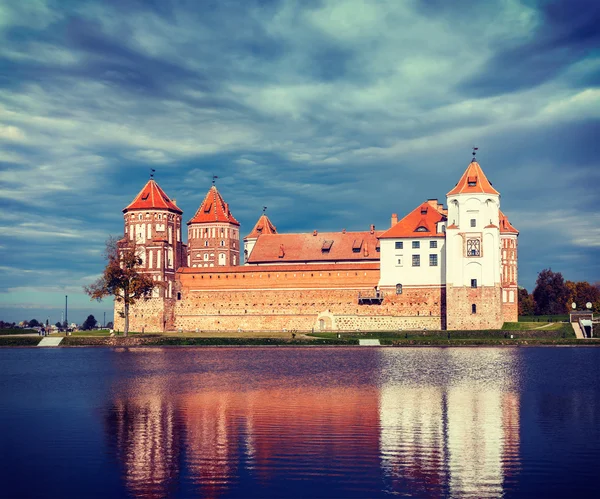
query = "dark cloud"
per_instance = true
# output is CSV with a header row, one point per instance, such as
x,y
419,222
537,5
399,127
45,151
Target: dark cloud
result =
x,y
568,32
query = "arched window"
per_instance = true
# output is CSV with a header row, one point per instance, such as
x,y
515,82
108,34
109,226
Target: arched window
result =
x,y
398,289
473,308
179,296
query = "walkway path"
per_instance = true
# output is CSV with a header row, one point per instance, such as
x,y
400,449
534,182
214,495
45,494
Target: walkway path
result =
x,y
50,341
578,331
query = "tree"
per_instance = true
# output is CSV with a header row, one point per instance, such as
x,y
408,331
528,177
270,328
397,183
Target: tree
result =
x,y
89,323
34,323
109,325
526,303
121,278
58,325
551,293
583,292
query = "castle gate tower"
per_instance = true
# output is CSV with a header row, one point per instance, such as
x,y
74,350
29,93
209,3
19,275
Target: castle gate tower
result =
x,y
213,234
473,260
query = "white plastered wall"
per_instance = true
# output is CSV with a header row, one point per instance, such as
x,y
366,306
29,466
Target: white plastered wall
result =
x,y
425,275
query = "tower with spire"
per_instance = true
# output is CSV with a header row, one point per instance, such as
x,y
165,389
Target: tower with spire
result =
x,y
152,222
262,226
213,234
474,283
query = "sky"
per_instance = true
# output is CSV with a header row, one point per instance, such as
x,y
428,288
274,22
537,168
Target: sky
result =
x,y
333,114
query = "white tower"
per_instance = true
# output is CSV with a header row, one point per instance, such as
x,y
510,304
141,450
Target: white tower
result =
x,y
473,264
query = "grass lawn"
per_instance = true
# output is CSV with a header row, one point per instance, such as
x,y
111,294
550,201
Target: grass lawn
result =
x,y
99,332
544,318
530,326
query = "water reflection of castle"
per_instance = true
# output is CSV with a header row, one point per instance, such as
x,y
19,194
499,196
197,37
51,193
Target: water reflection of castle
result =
x,y
430,439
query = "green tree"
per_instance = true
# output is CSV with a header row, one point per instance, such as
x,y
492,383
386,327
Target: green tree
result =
x,y
109,325
526,303
58,325
89,323
551,293
34,323
122,278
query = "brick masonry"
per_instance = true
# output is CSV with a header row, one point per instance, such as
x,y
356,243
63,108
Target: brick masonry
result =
x,y
487,300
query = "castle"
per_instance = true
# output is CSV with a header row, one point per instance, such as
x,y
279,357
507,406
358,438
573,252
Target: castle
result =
x,y
439,267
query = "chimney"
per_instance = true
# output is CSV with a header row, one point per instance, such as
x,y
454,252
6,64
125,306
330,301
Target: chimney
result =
x,y
372,229
174,201
315,233
343,231
394,219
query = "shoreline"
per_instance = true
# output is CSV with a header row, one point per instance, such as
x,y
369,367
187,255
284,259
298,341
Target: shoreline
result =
x,y
138,341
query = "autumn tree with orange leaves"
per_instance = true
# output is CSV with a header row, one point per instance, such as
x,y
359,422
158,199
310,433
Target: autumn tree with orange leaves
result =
x,y
122,278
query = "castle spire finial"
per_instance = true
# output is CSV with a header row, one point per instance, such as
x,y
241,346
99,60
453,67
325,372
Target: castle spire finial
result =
x,y
214,178
152,170
475,149
264,209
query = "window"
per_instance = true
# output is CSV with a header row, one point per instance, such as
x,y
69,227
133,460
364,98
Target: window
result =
x,y
416,244
473,247
433,261
473,308
399,244
473,283
205,257
473,222
422,229
416,260
398,261
179,296
222,243
398,289
433,244
205,243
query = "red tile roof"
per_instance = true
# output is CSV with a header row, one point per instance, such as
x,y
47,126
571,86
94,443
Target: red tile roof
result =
x,y
240,269
505,226
152,197
473,181
213,209
421,222
263,226
322,247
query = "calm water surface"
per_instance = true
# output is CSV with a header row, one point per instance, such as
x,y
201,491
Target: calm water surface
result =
x,y
299,422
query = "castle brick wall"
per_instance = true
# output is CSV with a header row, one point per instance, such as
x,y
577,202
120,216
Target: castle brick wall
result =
x,y
298,298
488,300
150,316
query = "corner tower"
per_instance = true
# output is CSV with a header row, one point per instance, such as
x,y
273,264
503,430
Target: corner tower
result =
x,y
473,277
153,222
213,234
263,226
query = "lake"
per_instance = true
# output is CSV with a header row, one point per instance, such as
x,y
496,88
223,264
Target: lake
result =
x,y
299,422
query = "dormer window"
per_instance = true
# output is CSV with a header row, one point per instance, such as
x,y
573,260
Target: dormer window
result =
x,y
424,210
207,207
145,196
421,229
326,246
471,181
357,245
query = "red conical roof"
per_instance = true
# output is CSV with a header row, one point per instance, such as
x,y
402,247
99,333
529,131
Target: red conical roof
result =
x,y
213,209
473,181
506,226
263,226
152,197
